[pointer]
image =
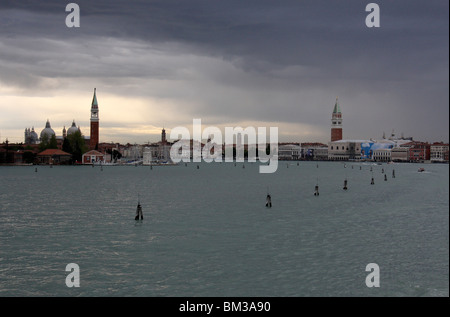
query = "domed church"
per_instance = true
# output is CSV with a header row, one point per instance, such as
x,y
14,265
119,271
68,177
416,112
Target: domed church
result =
x,y
73,128
31,137
47,131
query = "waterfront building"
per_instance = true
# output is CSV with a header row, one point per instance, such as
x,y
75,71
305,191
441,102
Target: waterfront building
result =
x,y
366,150
439,152
93,157
377,150
321,153
382,155
54,156
399,154
343,150
289,151
418,151
132,152
314,151
150,152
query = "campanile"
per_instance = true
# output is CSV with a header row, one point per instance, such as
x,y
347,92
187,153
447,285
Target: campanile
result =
x,y
93,143
336,123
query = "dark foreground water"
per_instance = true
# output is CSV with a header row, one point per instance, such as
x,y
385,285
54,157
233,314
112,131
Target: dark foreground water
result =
x,y
207,232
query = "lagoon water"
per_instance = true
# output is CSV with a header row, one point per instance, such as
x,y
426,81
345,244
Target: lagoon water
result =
x,y
207,232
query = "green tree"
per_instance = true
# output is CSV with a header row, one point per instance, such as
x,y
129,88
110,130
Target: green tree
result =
x,y
116,155
77,145
66,146
52,144
44,143
48,143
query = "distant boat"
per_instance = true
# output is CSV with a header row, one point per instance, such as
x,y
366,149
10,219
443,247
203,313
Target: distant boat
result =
x,y
345,184
421,169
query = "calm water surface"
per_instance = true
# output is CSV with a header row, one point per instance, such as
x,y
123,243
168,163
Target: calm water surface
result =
x,y
207,232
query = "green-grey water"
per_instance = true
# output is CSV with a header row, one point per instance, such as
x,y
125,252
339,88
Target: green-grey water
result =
x,y
207,232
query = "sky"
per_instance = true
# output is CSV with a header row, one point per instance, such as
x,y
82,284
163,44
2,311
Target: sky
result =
x,y
230,63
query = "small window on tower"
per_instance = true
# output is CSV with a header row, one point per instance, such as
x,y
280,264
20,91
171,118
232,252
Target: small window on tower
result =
x,y
334,122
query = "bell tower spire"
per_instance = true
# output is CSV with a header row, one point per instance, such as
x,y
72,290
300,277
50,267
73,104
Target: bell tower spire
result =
x,y
94,107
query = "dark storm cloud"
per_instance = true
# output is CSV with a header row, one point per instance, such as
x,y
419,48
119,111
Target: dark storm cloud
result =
x,y
281,33
293,57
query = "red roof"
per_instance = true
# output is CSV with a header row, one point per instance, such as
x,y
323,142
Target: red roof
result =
x,y
439,144
51,152
94,152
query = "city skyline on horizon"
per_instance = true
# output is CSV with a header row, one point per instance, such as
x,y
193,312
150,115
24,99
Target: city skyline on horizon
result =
x,y
164,63
156,136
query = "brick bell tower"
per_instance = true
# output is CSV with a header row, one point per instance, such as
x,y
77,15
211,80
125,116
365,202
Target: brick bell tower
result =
x,y
336,123
93,143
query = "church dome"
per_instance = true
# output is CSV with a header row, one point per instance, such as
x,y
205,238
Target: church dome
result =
x,y
33,136
73,128
47,131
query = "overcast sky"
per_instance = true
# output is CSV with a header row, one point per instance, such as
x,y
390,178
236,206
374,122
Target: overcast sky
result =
x,y
230,63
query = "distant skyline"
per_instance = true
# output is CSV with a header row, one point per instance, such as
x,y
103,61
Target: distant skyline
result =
x,y
233,63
